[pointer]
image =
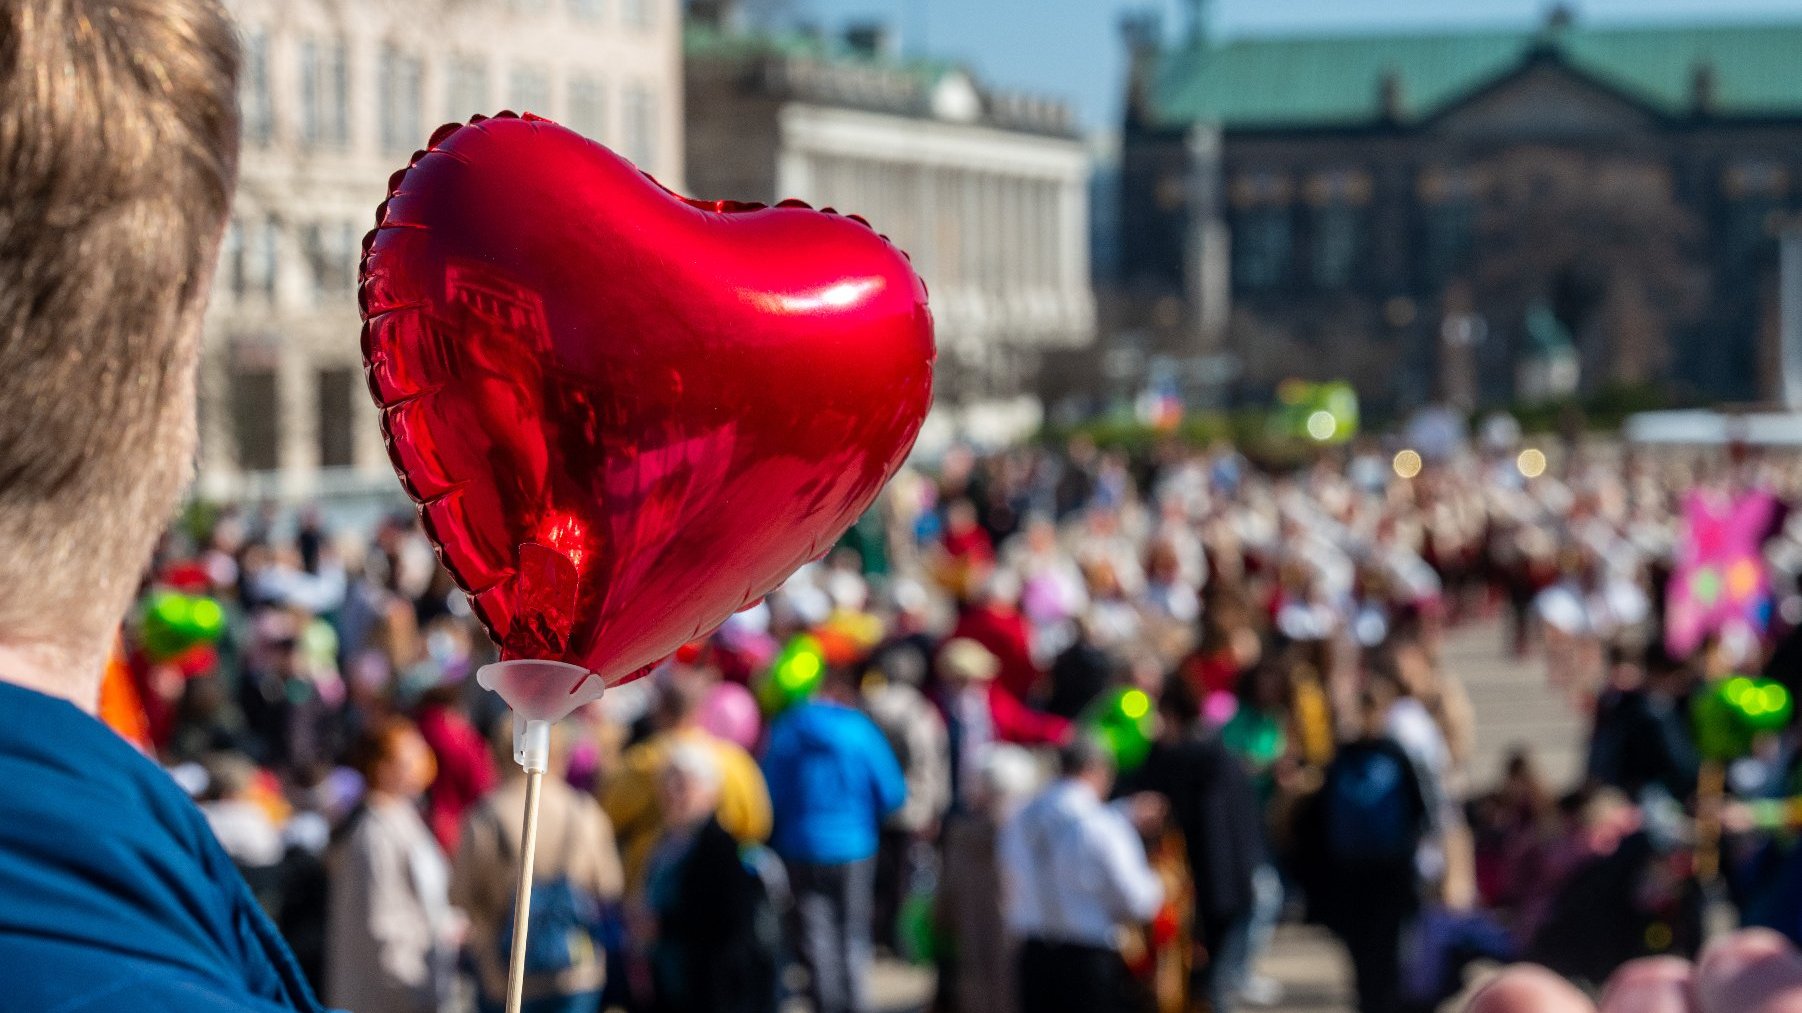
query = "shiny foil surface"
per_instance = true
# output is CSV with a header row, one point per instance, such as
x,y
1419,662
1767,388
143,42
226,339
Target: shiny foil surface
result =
x,y
625,414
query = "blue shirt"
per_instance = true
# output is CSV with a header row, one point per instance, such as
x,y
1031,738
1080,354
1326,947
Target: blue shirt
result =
x,y
833,779
114,895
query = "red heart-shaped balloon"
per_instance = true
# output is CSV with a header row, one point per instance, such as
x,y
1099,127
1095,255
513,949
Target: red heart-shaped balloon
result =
x,y
625,414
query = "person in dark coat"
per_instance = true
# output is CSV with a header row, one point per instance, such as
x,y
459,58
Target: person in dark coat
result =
x,y
1357,861
1215,804
708,913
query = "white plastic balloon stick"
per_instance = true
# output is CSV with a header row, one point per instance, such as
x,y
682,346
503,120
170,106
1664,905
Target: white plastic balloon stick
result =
x,y
541,694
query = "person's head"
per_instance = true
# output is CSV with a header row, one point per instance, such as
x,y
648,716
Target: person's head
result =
x,y
118,133
1179,708
394,759
964,662
1381,690
229,776
1086,758
680,693
689,788
1006,776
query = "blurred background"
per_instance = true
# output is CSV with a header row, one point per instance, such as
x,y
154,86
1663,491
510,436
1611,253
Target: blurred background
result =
x,y
1311,373
1126,213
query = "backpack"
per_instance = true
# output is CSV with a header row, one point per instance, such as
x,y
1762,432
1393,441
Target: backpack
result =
x,y
1372,817
564,922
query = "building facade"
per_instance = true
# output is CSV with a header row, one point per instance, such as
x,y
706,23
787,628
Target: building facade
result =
x,y
986,191
1477,217
335,96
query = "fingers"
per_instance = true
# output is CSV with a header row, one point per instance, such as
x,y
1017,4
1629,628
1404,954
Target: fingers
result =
x,y
1755,971
1527,989
1654,985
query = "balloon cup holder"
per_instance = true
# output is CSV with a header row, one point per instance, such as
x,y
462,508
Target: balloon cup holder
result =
x,y
541,694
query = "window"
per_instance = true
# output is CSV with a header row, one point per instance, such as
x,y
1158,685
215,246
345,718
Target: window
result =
x,y
255,103
402,82
1337,198
331,250
468,87
585,10
1755,191
529,90
637,13
641,127
1450,232
1338,235
1261,247
1449,199
256,417
269,256
324,93
587,112
337,431
231,259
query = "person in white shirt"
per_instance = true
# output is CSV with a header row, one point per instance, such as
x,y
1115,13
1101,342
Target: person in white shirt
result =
x,y
1073,871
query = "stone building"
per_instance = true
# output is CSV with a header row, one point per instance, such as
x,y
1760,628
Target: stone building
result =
x,y
336,94
985,190
1478,216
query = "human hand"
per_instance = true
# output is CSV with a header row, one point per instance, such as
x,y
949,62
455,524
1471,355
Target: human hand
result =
x,y
1754,971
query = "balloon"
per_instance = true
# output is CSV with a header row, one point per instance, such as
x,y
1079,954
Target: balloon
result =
x,y
730,712
1734,711
625,414
795,675
1122,718
174,623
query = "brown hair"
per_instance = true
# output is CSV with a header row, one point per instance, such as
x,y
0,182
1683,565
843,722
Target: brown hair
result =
x,y
378,743
118,154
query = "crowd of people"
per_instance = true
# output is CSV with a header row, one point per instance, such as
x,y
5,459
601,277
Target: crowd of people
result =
x,y
944,784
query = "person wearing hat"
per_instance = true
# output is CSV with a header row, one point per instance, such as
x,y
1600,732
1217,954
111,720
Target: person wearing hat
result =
x,y
979,712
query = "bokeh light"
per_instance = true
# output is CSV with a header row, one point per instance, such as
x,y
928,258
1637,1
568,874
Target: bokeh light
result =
x,y
1408,463
1531,462
1322,425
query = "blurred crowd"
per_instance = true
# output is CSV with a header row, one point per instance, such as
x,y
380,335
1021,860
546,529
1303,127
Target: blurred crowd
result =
x,y
1077,728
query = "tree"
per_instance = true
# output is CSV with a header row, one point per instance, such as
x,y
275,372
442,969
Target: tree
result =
x,y
1602,239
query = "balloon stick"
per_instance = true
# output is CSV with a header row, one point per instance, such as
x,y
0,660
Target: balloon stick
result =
x,y
534,763
541,693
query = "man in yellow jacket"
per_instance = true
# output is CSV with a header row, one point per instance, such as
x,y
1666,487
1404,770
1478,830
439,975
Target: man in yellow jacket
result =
x,y
630,795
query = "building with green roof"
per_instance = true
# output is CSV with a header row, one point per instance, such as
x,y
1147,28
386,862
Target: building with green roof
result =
x,y
1338,204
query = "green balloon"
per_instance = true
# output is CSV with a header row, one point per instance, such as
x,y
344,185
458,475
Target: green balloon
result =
x,y
174,623
1122,719
795,675
1729,715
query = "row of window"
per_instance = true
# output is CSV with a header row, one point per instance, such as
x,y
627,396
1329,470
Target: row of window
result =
x,y
321,107
251,261
256,421
641,14
1325,239
963,227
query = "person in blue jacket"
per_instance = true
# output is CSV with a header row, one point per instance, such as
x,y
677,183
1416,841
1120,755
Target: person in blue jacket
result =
x,y
833,779
118,134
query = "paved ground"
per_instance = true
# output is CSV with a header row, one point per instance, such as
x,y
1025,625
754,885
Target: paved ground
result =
x,y
1513,707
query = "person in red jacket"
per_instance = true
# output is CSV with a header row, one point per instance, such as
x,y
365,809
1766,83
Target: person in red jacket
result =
x,y
465,763
992,618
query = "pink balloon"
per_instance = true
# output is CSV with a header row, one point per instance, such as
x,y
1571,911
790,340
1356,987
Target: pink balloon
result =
x,y
730,712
